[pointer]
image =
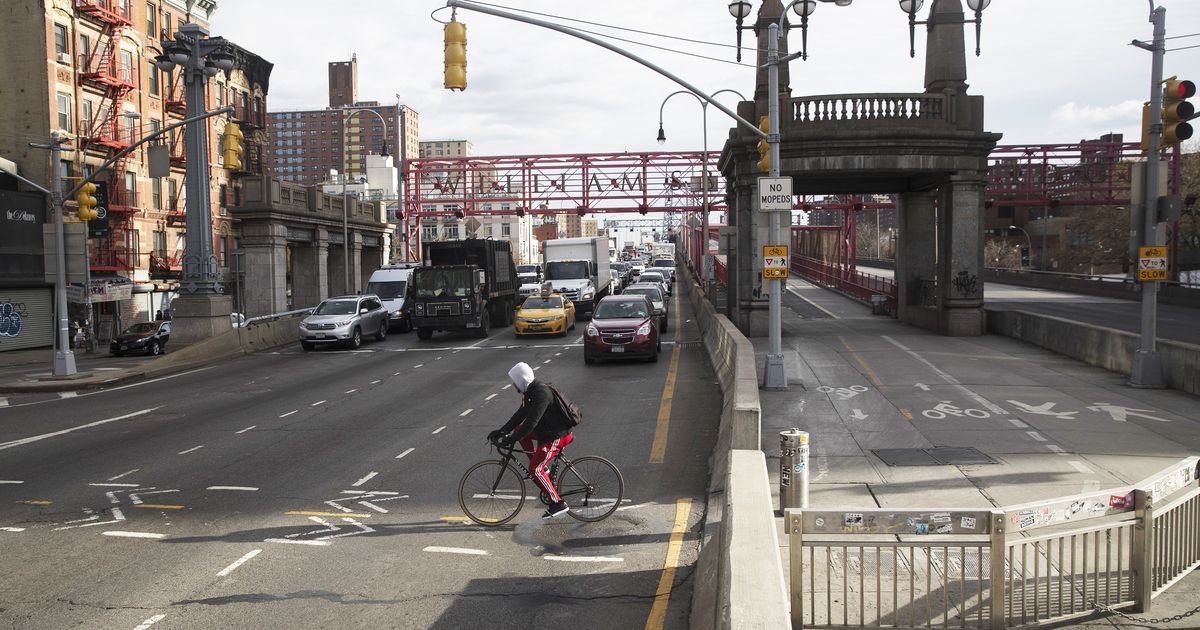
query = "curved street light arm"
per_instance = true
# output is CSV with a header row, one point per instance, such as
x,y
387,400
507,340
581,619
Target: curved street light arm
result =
x,y
381,120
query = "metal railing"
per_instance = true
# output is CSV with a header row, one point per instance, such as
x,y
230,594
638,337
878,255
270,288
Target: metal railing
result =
x,y
965,568
853,283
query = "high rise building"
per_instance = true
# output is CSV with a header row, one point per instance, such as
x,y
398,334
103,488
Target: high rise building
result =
x,y
343,82
307,144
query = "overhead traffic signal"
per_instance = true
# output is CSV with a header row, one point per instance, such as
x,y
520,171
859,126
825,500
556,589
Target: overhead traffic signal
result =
x,y
86,198
1177,111
232,146
764,147
455,36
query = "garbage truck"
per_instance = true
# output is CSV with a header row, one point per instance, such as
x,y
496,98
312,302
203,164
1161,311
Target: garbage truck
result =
x,y
468,284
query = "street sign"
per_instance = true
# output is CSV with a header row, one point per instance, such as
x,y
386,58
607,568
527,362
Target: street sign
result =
x,y
775,262
774,194
1152,264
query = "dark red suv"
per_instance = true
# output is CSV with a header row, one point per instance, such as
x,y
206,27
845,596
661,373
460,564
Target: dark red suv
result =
x,y
622,326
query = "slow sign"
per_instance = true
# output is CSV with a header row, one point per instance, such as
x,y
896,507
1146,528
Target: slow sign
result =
x,y
775,262
1152,264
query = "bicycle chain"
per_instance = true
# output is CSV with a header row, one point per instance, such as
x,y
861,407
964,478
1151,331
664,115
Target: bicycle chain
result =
x,y
1148,621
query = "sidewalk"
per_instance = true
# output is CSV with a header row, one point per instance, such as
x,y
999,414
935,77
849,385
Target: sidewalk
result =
x,y
1054,427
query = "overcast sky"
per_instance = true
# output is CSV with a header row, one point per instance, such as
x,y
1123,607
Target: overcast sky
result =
x,y
1053,71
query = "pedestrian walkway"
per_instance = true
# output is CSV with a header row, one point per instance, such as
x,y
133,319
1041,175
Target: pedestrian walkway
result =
x,y
1053,426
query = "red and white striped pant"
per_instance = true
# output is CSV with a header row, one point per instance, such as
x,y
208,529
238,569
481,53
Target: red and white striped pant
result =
x,y
540,455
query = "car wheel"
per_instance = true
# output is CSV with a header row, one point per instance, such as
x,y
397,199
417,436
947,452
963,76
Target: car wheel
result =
x,y
356,338
424,334
308,347
155,348
383,331
653,358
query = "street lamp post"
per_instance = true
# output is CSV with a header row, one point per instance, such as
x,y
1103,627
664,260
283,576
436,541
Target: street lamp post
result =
x,y
346,199
1028,240
662,137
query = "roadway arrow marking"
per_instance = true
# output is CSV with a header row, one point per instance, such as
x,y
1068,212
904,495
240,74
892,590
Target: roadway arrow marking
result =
x,y
857,414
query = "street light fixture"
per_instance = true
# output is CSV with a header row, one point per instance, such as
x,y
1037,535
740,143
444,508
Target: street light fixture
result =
x,y
1028,240
910,7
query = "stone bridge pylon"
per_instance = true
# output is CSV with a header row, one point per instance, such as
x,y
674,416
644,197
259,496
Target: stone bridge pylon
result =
x,y
928,148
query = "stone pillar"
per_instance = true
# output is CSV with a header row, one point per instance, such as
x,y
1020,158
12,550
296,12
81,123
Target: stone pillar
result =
x,y
310,270
356,266
960,256
916,256
945,53
264,285
200,316
751,298
335,276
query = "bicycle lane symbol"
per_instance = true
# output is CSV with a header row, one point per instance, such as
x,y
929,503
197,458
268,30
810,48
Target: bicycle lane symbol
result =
x,y
844,393
945,409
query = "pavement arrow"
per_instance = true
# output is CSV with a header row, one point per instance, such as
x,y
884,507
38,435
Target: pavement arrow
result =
x,y
363,529
857,414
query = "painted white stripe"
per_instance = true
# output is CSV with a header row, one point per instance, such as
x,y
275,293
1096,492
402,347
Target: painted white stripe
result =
x,y
491,397
373,507
987,404
396,374
438,430
108,369
190,450
241,488
1054,448
465,413
252,426
289,413
364,480
67,394
133,534
150,622
124,474
418,365
463,550
3,402
547,361
10,481
1081,467
12,529
115,485
376,382
89,425
319,402
1035,435
511,497
372,493
507,386
237,563
1017,423
558,354
583,558
406,452
318,543
350,391
632,507
537,368
438,359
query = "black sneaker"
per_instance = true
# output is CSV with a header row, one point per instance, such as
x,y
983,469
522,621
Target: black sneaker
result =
x,y
556,509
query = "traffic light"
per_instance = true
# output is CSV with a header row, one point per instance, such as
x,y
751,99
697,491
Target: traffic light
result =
x,y
764,147
455,35
87,201
1176,111
232,146
1146,126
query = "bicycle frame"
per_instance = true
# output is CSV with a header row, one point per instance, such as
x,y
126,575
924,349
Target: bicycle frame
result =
x,y
507,456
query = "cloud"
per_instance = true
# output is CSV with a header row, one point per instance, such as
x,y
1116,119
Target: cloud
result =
x,y
1074,114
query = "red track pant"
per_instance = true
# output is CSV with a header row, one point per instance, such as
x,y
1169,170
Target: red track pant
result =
x,y
541,453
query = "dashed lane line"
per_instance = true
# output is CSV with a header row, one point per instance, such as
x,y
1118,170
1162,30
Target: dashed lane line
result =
x,y
465,413
1035,435
124,474
12,529
364,479
145,625
376,382
246,429
319,402
36,438
461,550
583,558
237,563
418,365
289,413
191,450
10,481
490,397
350,391
406,452
115,485
68,394
124,534
235,488
438,430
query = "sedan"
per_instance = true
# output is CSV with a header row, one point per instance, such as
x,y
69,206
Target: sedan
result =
x,y
654,276
622,326
657,300
148,337
544,314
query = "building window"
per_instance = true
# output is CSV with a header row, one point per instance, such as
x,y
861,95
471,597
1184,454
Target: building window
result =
x,y
151,20
64,111
156,193
65,170
160,244
155,126
222,197
85,48
452,231
134,243
428,232
131,189
152,78
87,117
172,193
220,94
126,70
61,45
505,229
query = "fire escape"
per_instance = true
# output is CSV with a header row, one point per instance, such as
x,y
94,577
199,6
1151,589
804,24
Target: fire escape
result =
x,y
104,134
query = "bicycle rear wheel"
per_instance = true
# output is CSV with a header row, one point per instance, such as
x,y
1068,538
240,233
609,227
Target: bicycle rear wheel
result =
x,y
491,493
591,486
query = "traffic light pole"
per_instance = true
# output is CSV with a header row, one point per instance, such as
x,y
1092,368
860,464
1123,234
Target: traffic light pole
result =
x,y
775,373
64,359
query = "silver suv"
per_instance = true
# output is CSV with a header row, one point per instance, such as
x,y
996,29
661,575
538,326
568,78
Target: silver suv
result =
x,y
344,320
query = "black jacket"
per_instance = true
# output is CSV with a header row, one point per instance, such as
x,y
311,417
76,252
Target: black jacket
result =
x,y
539,414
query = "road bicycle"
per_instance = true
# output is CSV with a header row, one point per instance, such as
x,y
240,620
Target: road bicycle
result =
x,y
493,492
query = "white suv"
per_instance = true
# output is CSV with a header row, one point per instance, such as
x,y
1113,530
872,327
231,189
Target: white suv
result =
x,y
344,320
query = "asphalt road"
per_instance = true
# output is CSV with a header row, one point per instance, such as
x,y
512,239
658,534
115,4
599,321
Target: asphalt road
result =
x,y
236,496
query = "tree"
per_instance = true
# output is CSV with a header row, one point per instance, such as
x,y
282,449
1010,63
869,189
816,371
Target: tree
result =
x,y
1001,253
1096,240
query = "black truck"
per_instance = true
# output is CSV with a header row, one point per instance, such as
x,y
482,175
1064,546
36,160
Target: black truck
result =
x,y
468,284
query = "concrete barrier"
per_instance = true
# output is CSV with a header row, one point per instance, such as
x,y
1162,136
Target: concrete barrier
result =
x,y
739,574
1107,348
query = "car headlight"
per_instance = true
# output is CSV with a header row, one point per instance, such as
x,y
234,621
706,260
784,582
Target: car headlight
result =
x,y
591,331
303,325
345,323
644,330
587,293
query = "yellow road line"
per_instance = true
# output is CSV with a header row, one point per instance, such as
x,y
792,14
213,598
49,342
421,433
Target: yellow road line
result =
x,y
454,519
866,368
157,506
658,448
906,413
662,597
34,502
327,514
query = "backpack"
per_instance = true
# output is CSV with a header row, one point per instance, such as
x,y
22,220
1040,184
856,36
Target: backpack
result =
x,y
570,410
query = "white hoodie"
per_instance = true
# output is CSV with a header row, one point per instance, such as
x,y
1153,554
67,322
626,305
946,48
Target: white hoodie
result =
x,y
521,375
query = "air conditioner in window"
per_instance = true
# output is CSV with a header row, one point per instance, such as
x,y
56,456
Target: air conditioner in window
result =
x,y
63,57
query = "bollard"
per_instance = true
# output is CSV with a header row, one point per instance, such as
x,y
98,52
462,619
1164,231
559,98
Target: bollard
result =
x,y
793,469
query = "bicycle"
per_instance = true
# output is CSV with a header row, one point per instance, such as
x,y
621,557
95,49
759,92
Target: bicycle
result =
x,y
492,492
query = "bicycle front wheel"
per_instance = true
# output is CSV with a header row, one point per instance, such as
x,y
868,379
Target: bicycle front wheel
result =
x,y
592,487
491,493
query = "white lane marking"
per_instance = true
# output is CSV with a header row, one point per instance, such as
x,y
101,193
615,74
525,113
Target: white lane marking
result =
x,y
89,425
396,374
364,480
375,493
373,507
190,450
547,360
814,304
465,413
241,488
113,389
438,430
319,543
583,558
537,368
67,394
510,497
12,529
418,365
350,391
406,452
108,369
10,481
491,397
506,386
122,534
1017,423
1035,435
115,485
578,340
557,354
150,622
251,427
124,474
438,359
1080,466
136,497
632,507
471,552
319,402
989,405
289,413
237,563
1054,448
3,402
376,382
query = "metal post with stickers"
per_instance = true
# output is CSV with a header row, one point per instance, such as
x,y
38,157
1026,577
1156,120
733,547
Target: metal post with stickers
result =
x,y
793,469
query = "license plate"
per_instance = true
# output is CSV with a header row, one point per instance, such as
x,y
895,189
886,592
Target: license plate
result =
x,y
535,328
124,347
320,335
618,348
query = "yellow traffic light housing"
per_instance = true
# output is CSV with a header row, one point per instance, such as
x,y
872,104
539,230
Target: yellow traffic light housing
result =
x,y
86,199
231,146
1177,111
455,37
764,147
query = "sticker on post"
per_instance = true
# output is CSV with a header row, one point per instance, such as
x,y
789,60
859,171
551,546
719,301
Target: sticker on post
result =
x,y
852,519
967,522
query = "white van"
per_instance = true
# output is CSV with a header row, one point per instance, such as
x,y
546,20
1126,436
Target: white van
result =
x,y
390,283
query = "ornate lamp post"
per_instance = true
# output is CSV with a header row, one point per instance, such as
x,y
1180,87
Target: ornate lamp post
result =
x,y
911,7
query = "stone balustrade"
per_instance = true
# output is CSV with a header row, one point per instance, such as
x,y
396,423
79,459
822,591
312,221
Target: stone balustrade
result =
x,y
881,108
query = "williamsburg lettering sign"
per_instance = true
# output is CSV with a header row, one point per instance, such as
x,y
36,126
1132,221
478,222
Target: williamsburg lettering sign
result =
x,y
774,194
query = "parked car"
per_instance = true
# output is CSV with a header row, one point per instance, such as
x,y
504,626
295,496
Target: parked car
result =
x,y
622,326
148,337
657,300
544,314
344,320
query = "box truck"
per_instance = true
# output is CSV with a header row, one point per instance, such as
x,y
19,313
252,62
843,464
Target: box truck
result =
x,y
578,268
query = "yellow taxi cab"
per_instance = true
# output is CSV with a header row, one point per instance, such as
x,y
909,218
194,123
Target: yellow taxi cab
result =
x,y
544,314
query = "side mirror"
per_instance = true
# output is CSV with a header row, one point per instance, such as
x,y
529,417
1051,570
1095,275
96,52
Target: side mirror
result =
x,y
363,311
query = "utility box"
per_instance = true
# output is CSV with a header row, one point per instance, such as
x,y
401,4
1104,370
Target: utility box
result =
x,y
76,248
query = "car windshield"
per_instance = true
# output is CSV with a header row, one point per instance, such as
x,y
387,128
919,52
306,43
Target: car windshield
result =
x,y
654,294
143,327
566,270
620,310
542,302
524,269
337,307
442,282
651,276
663,263
387,290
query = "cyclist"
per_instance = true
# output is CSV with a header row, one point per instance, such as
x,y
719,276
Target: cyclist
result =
x,y
541,428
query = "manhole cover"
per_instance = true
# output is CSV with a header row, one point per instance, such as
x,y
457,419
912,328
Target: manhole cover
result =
x,y
941,456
